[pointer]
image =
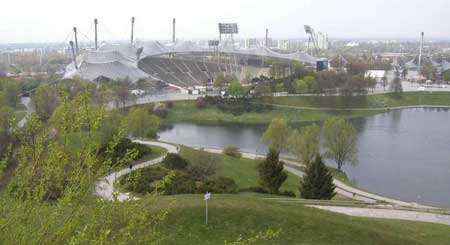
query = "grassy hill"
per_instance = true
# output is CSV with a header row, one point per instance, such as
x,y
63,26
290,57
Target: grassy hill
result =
x,y
234,216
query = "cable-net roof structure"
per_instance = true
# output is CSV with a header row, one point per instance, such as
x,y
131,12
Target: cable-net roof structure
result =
x,y
120,61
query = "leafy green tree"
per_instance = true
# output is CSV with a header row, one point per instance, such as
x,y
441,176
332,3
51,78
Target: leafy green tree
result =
x,y
141,124
396,84
305,85
45,101
340,141
305,145
317,182
11,90
236,90
57,166
271,172
277,134
447,76
220,81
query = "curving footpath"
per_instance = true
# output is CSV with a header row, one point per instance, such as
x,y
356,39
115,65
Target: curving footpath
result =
x,y
105,189
105,186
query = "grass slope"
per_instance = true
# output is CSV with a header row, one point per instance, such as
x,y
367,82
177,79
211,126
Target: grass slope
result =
x,y
186,111
370,101
234,216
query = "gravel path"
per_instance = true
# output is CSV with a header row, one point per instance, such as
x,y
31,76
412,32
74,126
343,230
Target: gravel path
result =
x,y
105,186
388,214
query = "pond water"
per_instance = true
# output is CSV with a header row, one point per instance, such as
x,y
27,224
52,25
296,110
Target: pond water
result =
x,y
403,154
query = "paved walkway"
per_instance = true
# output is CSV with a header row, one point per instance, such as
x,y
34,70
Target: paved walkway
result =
x,y
388,214
105,186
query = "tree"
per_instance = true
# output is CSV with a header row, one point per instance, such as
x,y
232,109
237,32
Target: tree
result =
x,y
404,72
141,124
236,90
305,85
340,141
317,182
220,81
45,101
446,76
396,84
277,134
305,145
271,172
384,82
11,90
202,166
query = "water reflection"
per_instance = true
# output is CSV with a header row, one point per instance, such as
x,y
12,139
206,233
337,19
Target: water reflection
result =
x,y
402,153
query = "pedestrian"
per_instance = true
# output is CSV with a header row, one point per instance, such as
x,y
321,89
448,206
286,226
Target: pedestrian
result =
x,y
131,167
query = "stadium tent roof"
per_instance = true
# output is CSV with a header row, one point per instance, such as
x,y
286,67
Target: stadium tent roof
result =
x,y
120,61
445,66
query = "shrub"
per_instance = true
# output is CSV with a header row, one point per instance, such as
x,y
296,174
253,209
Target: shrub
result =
x,y
200,103
181,183
123,146
175,161
287,194
160,109
143,180
202,167
257,189
220,185
170,104
232,151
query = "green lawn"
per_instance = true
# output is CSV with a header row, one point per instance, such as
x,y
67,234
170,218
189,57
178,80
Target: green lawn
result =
x,y
234,216
186,111
243,171
370,101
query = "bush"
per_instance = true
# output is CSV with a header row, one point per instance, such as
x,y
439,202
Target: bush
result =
x,y
257,189
232,151
143,180
170,104
287,194
181,183
175,161
200,103
125,145
160,110
220,185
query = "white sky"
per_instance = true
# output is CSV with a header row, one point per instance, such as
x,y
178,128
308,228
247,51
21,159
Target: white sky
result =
x,y
52,20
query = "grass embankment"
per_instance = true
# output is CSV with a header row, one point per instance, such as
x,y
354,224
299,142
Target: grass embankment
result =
x,y
234,216
186,111
370,101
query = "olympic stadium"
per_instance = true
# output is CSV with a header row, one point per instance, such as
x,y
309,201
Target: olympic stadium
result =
x,y
181,64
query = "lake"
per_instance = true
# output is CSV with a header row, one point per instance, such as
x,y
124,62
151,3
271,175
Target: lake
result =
x,y
404,154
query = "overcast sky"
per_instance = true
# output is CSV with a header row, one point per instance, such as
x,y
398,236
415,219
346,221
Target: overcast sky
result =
x,y
52,20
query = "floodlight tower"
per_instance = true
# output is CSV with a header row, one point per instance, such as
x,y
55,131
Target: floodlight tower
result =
x,y
96,40
173,30
132,31
312,39
74,57
421,50
229,29
76,41
267,38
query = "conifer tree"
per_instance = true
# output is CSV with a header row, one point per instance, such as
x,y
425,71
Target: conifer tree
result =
x,y
271,172
317,182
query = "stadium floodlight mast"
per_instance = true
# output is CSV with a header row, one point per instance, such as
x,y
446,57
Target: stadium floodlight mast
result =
x,y
96,40
228,29
132,31
76,41
74,57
